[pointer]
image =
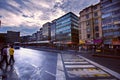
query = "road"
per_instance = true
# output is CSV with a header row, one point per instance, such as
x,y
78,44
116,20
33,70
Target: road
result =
x,y
33,64
78,67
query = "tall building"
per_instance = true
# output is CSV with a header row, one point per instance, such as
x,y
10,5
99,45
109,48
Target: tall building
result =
x,y
3,39
38,36
25,38
46,31
67,30
53,31
41,35
110,20
90,29
13,36
34,37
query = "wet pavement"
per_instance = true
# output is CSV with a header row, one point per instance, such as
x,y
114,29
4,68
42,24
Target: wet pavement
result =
x,y
79,68
34,64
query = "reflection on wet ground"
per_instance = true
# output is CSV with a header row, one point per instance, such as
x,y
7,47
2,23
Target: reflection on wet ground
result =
x,y
8,72
79,68
30,65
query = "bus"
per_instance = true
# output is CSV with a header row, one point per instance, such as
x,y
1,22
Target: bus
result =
x,y
17,45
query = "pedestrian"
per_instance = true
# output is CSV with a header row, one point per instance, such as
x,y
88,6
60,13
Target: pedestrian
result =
x,y
11,53
5,56
80,48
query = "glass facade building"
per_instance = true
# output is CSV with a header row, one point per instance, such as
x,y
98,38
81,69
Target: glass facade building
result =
x,y
67,29
46,31
53,30
110,20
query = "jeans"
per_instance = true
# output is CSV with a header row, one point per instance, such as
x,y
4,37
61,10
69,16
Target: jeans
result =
x,y
11,59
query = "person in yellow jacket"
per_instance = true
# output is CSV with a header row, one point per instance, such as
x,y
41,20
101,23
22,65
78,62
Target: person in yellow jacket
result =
x,y
11,52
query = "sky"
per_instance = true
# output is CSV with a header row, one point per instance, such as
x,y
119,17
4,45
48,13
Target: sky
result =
x,y
27,16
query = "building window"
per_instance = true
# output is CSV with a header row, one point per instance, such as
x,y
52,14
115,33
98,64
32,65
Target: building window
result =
x,y
86,10
95,14
96,21
88,35
87,16
87,23
97,35
88,29
96,28
116,12
105,15
95,7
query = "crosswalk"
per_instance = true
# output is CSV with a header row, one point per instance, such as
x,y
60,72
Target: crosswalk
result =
x,y
80,68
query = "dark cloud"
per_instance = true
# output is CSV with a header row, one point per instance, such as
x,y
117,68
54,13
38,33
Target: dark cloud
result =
x,y
74,5
1,16
29,15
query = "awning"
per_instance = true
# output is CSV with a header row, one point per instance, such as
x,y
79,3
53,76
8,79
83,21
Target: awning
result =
x,y
81,41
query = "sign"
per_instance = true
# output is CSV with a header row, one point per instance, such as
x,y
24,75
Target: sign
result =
x,y
117,22
115,41
89,41
81,41
97,41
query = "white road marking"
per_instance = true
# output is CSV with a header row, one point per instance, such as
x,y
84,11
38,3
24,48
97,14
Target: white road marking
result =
x,y
17,72
50,73
79,66
60,75
76,62
117,75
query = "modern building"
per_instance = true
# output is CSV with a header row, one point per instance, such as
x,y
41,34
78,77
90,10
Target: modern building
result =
x,y
53,31
67,30
90,30
41,35
13,36
24,39
46,31
3,39
34,37
38,36
111,21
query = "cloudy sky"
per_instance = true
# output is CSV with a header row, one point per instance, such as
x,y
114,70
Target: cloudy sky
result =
x,y
27,16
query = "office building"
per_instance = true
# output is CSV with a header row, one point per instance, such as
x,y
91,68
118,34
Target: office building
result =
x,y
53,31
111,21
24,39
34,37
46,31
40,35
67,30
13,36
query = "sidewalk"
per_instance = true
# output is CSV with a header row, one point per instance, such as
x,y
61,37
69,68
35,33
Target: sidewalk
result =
x,y
100,54
111,63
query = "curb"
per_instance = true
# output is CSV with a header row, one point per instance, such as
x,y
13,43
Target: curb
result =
x,y
106,56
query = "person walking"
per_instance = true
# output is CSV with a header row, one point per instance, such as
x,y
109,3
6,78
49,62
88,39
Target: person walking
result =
x,y
11,53
4,55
